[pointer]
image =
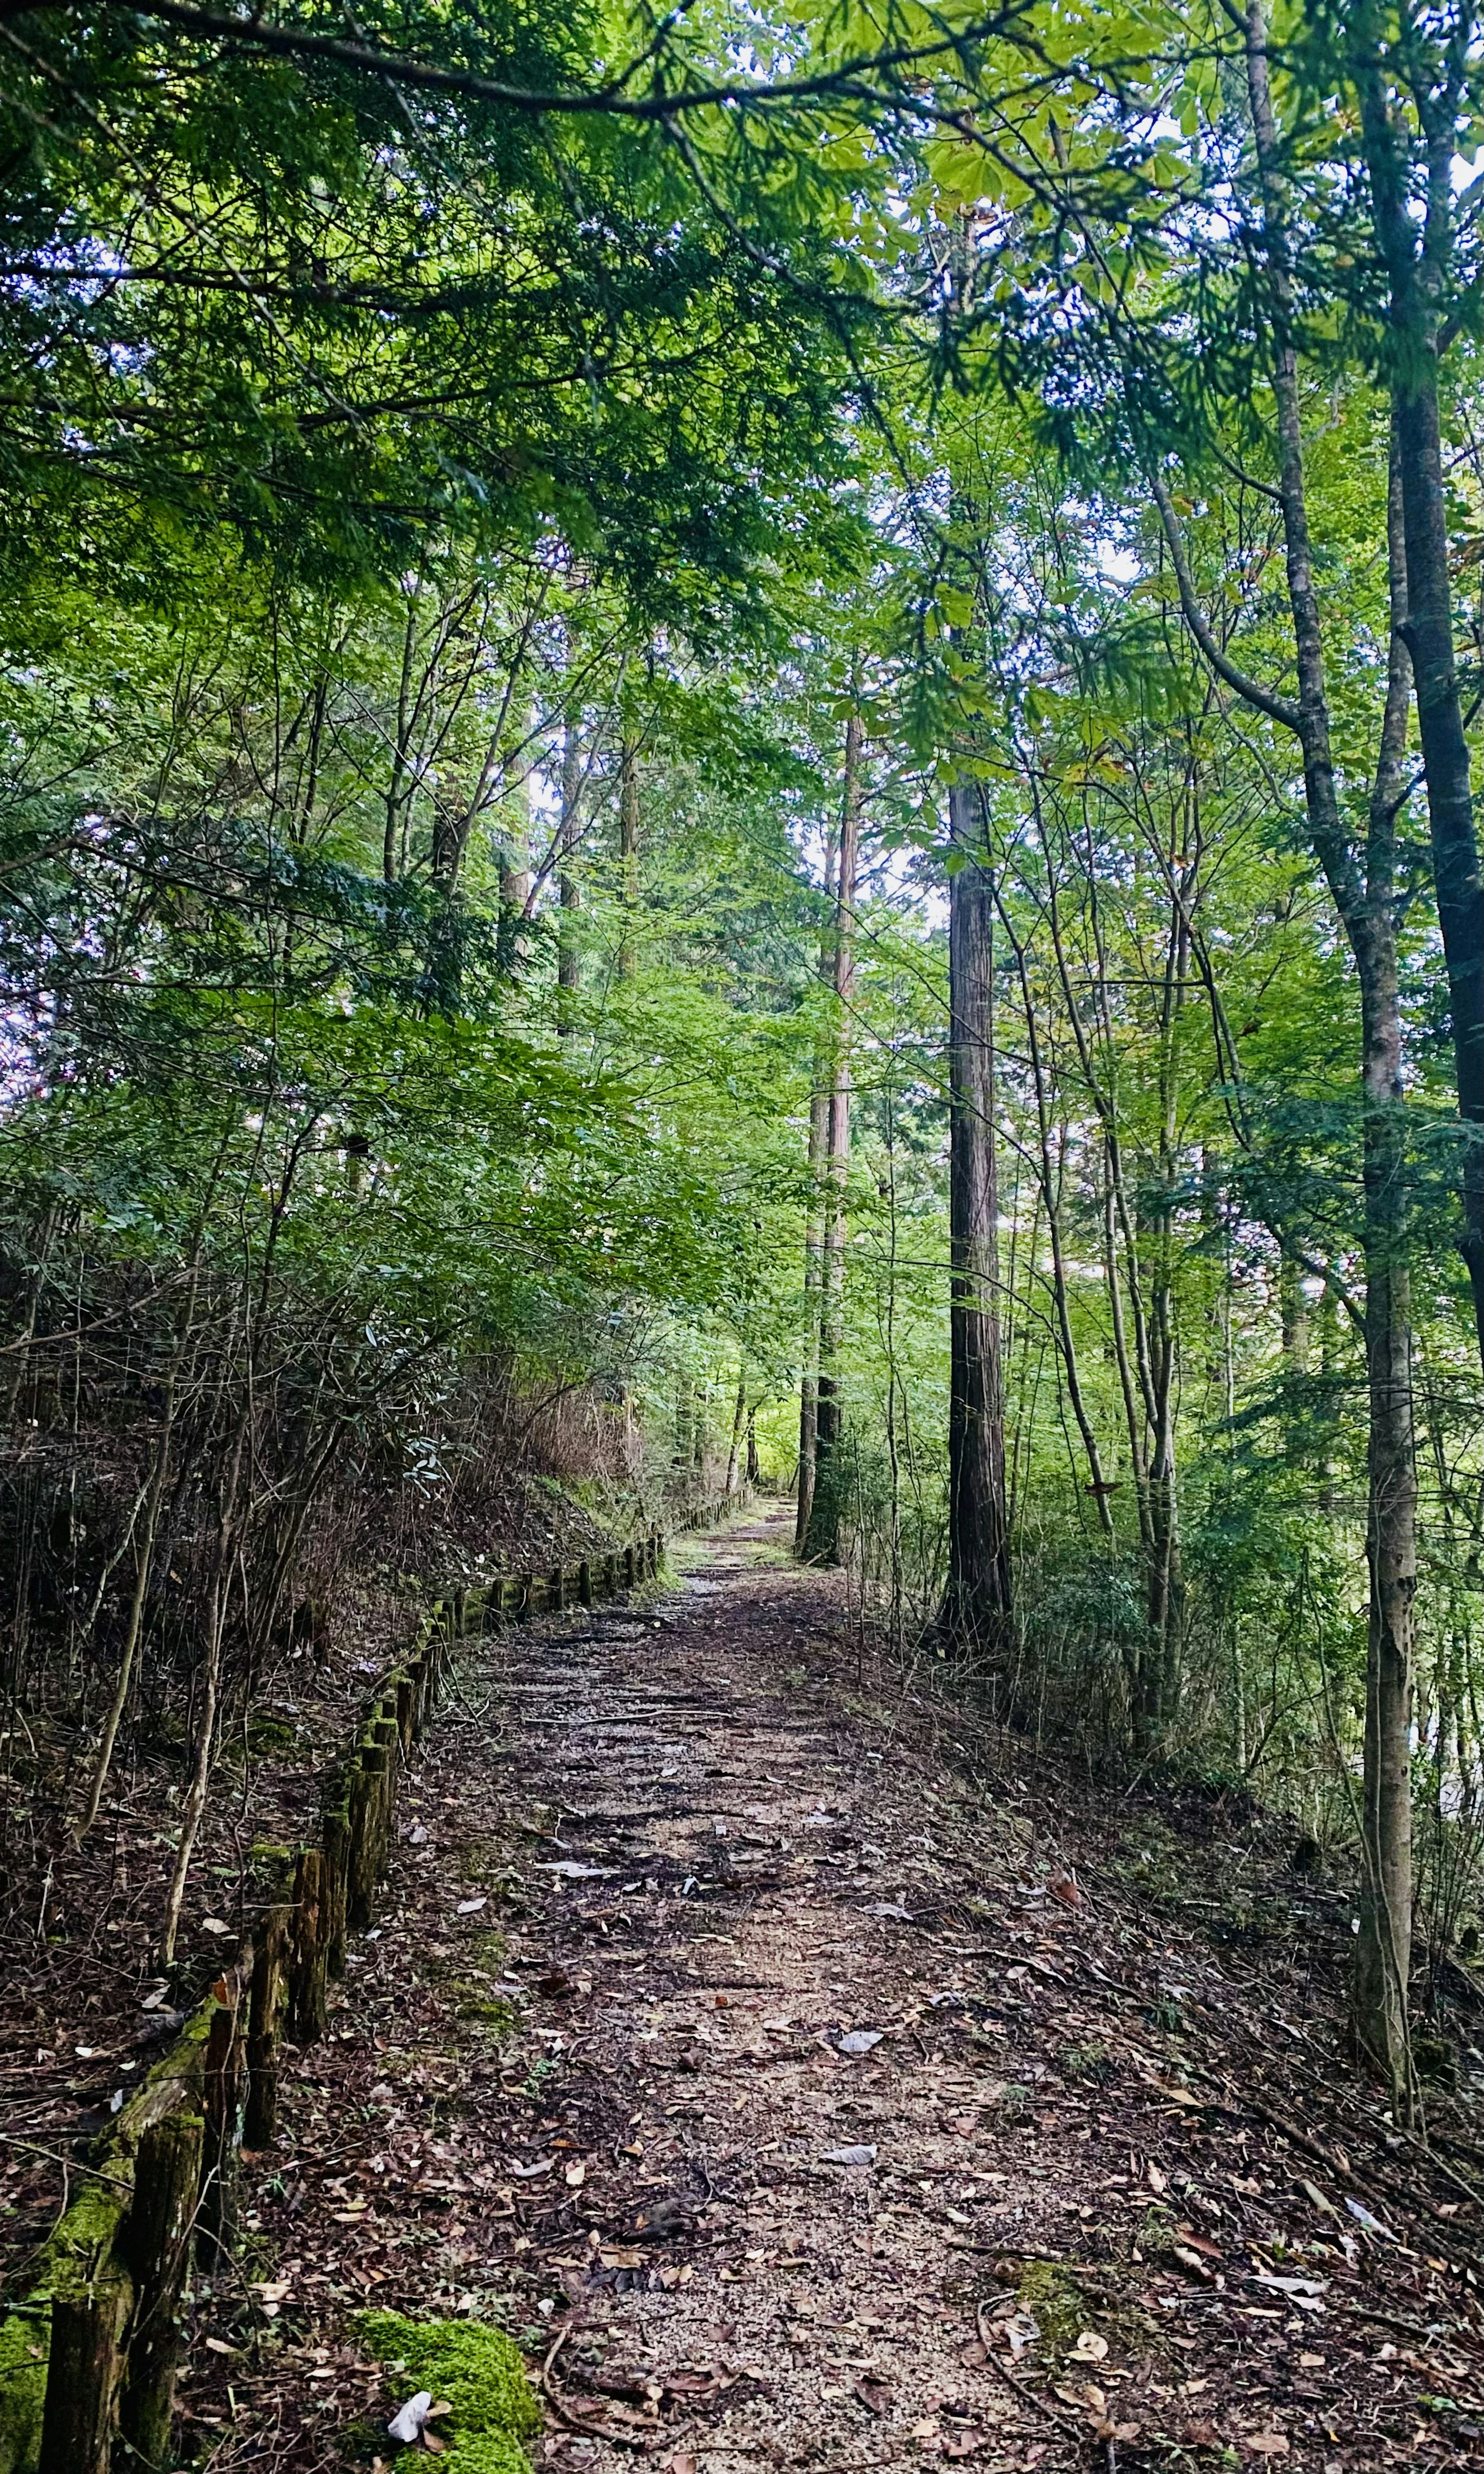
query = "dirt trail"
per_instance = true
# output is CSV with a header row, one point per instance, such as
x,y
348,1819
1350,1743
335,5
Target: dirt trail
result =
x,y
724,2031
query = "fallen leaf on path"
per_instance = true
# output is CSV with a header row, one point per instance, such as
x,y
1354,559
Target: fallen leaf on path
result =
x,y
680,2461
1202,2435
407,2422
528,2173
1266,2443
575,2175
875,2395
1063,1886
1296,2285
1090,2347
859,2156
471,1906
885,1908
1156,2180
861,2040
569,1870
1368,2224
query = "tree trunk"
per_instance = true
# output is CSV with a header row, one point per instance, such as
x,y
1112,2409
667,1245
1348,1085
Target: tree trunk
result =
x,y
211,1678
1365,903
977,1602
813,1257
1426,620
739,1423
568,894
628,851
821,1536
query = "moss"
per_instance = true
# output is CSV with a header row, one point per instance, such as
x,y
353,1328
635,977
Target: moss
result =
x,y
494,2014
1054,2302
23,2339
480,2372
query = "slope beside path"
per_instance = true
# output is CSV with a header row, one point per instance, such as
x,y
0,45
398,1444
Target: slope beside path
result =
x,y
807,2086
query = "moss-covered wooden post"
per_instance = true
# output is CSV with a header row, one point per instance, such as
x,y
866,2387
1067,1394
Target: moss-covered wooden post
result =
x,y
156,2244
360,1882
224,2089
265,2025
307,2011
585,1583
90,2308
557,1589
335,1837
405,1704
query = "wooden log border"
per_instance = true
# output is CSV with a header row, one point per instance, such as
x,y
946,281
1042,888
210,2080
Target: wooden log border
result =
x,y
88,2357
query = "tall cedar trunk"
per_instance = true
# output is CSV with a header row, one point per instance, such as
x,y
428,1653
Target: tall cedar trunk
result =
x,y
1415,279
814,1253
628,851
977,1602
822,1537
569,828
1384,1954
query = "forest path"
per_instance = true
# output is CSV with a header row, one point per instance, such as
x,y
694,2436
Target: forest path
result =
x,y
591,2072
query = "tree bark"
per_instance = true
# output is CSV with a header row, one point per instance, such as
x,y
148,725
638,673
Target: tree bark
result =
x,y
977,1602
1365,901
1417,260
628,851
569,899
814,1256
822,1537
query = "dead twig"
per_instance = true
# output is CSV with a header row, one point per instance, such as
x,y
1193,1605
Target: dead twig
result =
x,y
1029,2396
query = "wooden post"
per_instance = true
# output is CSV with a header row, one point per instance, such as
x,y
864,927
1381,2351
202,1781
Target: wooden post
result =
x,y
404,1710
557,1589
307,2012
226,2073
265,2026
524,1585
336,1836
367,1783
585,1583
156,2245
84,2370
628,1567
359,1806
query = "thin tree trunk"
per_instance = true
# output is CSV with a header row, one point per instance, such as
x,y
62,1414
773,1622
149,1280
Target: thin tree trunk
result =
x,y
738,1425
977,1602
158,1473
1366,906
822,1537
513,860
1049,1182
814,1253
628,851
569,896
210,1694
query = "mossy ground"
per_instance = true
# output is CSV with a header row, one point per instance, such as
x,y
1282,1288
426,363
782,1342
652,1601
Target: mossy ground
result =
x,y
480,2372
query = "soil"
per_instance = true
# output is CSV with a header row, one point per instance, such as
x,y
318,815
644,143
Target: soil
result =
x,y
809,2079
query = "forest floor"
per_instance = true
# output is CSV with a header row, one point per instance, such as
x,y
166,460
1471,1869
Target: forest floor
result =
x,y
809,2080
